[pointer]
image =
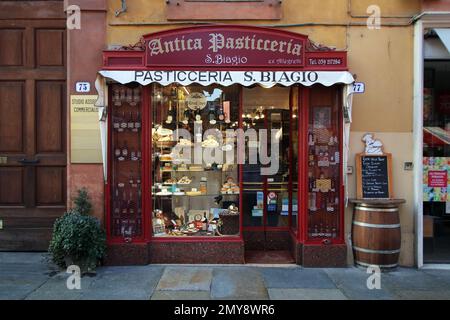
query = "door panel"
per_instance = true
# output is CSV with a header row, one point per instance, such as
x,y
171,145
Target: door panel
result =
x,y
11,54
11,116
50,47
11,186
50,183
32,124
49,116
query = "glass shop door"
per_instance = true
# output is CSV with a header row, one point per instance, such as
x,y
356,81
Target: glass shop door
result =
x,y
267,197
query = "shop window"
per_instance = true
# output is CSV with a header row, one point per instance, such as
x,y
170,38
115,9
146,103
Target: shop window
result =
x,y
195,176
436,161
223,9
323,166
126,167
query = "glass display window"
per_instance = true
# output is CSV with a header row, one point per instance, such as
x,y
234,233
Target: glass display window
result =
x,y
195,176
324,166
126,165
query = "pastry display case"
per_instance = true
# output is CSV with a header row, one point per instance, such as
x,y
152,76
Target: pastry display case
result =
x,y
195,177
323,173
126,162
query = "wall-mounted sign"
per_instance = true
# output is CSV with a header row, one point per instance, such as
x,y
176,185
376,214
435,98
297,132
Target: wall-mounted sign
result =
x,y
359,87
225,46
436,179
266,79
82,87
373,171
85,143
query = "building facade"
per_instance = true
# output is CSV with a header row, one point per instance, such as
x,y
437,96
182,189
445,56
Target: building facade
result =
x,y
376,46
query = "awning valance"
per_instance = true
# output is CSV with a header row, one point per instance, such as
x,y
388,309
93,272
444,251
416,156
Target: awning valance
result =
x,y
265,79
444,35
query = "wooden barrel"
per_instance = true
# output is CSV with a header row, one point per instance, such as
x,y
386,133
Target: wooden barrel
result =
x,y
376,236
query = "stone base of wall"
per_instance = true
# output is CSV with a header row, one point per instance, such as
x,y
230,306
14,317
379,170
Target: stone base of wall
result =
x,y
215,252
329,256
127,254
197,252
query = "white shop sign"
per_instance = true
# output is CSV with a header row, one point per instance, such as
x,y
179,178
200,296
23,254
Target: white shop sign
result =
x,y
266,79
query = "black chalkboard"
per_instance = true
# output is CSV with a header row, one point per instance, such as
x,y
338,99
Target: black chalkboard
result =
x,y
374,176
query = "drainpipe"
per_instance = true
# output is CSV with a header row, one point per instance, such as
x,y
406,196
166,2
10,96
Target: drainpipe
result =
x,y
123,9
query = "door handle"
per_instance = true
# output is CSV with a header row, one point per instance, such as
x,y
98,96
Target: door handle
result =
x,y
29,162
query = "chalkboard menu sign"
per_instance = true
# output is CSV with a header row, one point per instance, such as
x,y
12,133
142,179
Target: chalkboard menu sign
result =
x,y
373,176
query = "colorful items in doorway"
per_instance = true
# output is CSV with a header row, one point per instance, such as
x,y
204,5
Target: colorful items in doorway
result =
x,y
436,179
230,187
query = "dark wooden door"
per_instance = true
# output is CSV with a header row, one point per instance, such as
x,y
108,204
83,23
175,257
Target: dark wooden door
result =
x,y
32,122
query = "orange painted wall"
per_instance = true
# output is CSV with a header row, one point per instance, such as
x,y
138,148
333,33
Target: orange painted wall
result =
x,y
435,5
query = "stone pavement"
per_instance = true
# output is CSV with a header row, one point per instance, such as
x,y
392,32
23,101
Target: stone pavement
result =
x,y
31,276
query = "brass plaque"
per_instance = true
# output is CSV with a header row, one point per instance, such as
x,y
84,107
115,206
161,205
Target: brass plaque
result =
x,y
3,160
85,145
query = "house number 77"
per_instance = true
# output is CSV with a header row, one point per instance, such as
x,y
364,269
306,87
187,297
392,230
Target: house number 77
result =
x,y
359,87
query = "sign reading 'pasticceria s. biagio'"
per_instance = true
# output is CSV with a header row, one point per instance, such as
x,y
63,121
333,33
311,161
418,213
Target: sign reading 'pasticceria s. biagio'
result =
x,y
225,47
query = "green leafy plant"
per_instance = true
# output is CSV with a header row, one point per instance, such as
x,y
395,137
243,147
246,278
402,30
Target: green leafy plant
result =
x,y
78,237
83,202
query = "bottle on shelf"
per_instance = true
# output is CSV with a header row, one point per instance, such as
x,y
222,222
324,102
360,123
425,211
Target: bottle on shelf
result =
x,y
123,123
116,123
136,96
123,96
129,96
131,204
130,123
124,209
116,96
124,151
211,113
117,152
186,116
169,118
220,114
137,122
116,203
204,222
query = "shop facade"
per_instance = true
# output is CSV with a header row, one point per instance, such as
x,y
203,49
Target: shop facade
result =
x,y
192,118
431,114
383,58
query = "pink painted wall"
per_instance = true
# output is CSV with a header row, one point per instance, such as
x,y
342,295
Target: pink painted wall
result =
x,y
84,47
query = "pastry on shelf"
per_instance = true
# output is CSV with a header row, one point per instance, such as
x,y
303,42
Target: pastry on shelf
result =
x,y
210,142
170,181
185,142
195,168
164,193
184,180
193,192
165,157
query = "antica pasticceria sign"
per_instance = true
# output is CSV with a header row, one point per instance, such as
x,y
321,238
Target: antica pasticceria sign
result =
x,y
225,46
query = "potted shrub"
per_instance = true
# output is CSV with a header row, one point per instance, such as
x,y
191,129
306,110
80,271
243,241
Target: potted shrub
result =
x,y
78,238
